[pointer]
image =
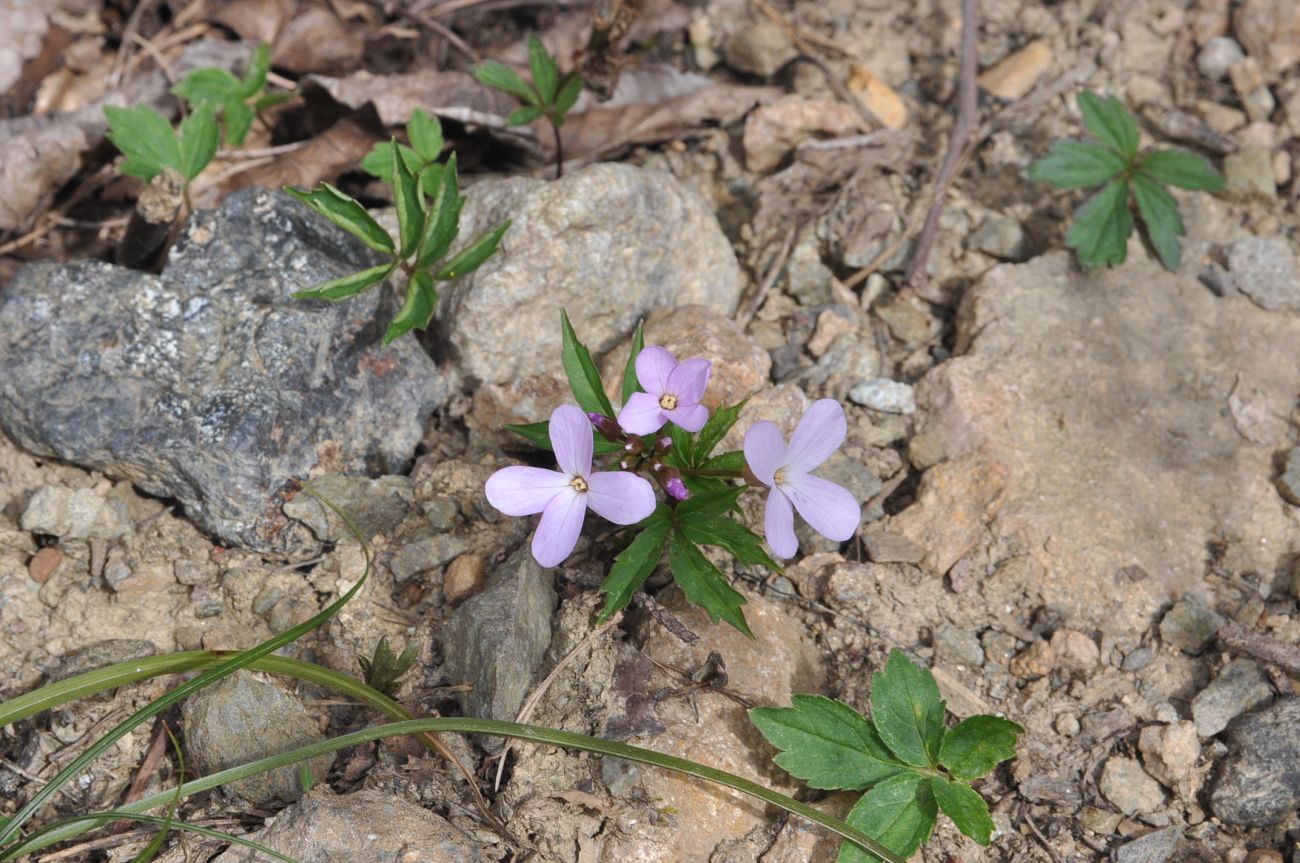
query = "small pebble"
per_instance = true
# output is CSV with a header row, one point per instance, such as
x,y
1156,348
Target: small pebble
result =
x,y
878,97
1015,75
463,579
1264,269
1037,660
885,395
1130,788
44,564
1288,485
1264,855
1218,56
1075,650
1067,725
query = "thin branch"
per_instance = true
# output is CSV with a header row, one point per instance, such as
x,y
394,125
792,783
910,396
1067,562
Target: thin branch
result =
x,y
1240,639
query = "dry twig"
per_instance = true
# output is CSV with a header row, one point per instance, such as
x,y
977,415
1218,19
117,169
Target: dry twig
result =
x,y
1240,639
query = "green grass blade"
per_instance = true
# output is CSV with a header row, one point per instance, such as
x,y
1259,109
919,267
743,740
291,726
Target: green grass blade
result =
x,y
119,815
150,851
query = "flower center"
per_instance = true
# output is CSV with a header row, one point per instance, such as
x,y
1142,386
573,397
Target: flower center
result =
x,y
668,402
579,484
778,478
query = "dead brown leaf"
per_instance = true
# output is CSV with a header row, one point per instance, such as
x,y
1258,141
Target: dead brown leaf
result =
x,y
256,20
25,25
395,96
772,131
316,40
329,154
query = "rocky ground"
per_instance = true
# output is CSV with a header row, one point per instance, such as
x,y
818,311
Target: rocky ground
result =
x,y
1081,491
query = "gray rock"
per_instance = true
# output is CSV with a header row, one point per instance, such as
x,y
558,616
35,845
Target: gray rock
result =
x,y
883,394
241,718
761,49
808,279
1248,175
957,645
75,514
1126,785
99,654
210,384
370,826
1240,687
1138,658
1260,781
885,547
374,505
1288,482
1001,237
1053,790
1157,847
1189,625
1218,56
496,639
1264,269
607,243
426,553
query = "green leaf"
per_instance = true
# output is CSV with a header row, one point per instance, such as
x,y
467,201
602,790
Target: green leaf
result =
x,y
731,535
237,118
708,504
978,744
146,139
1182,169
406,201
425,133
965,807
501,77
568,95
584,379
716,429
269,100
210,86
908,710
421,301
899,813
198,141
634,564
1159,213
539,434
347,286
542,64
378,162
1076,164
470,258
523,116
1102,226
429,178
704,584
1110,122
443,222
258,67
630,383
346,213
826,743
726,461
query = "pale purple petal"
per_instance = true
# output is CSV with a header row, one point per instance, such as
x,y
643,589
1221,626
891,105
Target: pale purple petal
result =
x,y
571,438
642,414
689,380
520,490
557,532
819,433
620,497
829,509
778,525
764,450
691,417
653,366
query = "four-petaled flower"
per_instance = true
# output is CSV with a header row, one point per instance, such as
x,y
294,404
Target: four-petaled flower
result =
x,y
828,508
672,393
563,496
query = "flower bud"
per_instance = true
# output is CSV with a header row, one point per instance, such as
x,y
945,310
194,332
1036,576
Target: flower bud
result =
x,y
664,444
608,428
672,483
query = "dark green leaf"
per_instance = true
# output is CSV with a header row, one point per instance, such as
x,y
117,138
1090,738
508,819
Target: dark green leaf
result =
x,y
429,178
716,429
683,450
568,95
502,77
539,434
630,383
584,379
542,64
443,222
1182,169
712,503
421,300
208,86
1110,122
197,139
899,813
826,743
346,213
1076,164
146,139
425,133
258,67
704,584
635,563
978,744
385,668
406,201
1159,213
908,710
237,118
378,162
523,116
1102,227
965,807
727,461
468,259
347,286
731,535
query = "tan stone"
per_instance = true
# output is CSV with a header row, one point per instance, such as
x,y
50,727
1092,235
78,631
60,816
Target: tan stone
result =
x,y
1036,660
772,131
44,564
1016,74
953,504
463,578
830,326
1075,650
878,97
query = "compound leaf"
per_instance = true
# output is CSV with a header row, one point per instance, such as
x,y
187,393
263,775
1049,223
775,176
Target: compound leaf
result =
x,y
704,584
1102,227
908,710
826,743
1076,164
1160,214
1110,122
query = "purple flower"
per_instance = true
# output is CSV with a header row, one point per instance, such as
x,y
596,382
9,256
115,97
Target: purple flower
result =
x,y
562,496
828,508
672,393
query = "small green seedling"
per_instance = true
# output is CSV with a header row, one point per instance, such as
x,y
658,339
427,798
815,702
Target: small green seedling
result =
x,y
421,157
548,96
237,101
383,671
1103,224
151,145
428,220
907,762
